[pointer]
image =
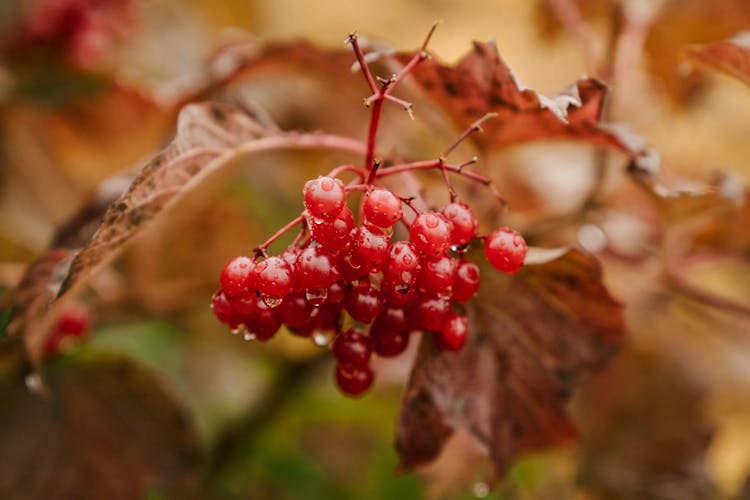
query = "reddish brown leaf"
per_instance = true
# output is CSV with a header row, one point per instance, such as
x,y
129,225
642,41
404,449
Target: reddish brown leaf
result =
x,y
482,83
533,336
731,57
107,429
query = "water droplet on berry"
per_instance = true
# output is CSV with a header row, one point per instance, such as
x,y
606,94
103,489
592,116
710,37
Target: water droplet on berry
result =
x,y
446,293
249,336
322,338
459,248
272,302
316,296
237,329
480,489
327,184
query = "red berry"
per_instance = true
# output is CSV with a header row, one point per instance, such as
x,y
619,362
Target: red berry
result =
x,y
431,233
452,336
333,234
264,323
329,317
294,311
273,277
334,294
353,381
352,268
437,275
362,302
396,294
382,208
403,263
223,310
390,333
237,277
466,283
71,326
370,247
464,223
314,269
324,197
429,313
244,304
505,249
352,347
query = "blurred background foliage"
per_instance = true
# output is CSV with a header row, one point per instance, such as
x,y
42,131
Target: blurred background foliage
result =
x,y
99,94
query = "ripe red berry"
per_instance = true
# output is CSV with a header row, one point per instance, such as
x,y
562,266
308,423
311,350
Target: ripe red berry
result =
x,y
403,263
466,282
314,269
362,302
273,277
70,327
264,323
294,311
324,197
353,381
464,223
506,250
431,233
429,313
333,234
237,277
223,310
370,247
452,336
244,304
437,275
390,333
382,208
352,347
397,294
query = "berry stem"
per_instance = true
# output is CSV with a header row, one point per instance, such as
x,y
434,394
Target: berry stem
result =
x,y
377,108
352,40
261,250
361,173
471,129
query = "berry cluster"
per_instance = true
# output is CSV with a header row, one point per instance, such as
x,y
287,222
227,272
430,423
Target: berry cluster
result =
x,y
394,287
351,279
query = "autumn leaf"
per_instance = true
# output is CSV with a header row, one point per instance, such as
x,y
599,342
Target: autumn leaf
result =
x,y
731,57
209,136
534,335
482,83
106,429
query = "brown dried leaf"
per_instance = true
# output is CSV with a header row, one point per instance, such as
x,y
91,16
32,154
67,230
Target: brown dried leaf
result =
x,y
209,136
482,83
731,57
533,336
106,430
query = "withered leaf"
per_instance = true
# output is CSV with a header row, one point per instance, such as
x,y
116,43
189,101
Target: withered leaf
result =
x,y
532,337
106,429
731,57
481,83
209,136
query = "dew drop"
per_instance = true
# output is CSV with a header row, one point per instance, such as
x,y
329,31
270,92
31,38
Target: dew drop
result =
x,y
327,185
316,296
249,336
446,293
322,338
459,248
272,302
237,329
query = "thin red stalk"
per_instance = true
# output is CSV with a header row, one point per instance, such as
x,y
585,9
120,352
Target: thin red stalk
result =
x,y
348,168
430,164
352,39
471,129
415,60
377,108
262,248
